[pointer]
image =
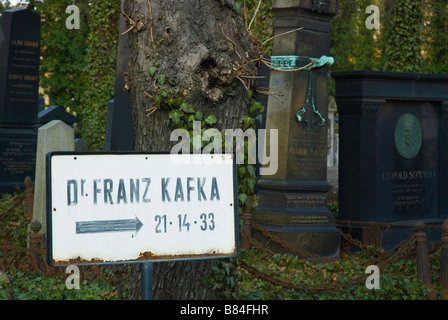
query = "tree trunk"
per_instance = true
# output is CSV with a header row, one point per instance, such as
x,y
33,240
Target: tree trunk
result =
x,y
202,49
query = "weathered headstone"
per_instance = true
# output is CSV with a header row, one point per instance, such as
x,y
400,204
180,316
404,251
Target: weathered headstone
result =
x,y
54,136
393,148
292,202
19,82
120,123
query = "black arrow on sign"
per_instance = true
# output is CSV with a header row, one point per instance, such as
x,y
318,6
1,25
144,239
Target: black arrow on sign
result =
x,y
101,226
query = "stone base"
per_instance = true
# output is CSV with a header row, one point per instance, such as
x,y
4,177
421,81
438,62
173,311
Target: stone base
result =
x,y
323,241
333,176
296,212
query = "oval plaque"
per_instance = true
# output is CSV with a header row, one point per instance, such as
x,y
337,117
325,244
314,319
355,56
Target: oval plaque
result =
x,y
408,136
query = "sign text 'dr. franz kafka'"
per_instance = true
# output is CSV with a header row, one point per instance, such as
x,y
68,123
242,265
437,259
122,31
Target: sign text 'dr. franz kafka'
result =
x,y
141,190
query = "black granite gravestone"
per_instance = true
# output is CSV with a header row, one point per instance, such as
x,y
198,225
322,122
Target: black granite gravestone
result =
x,y
393,164
120,124
19,82
19,66
56,113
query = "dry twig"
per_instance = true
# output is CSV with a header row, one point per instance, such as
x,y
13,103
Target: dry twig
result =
x,y
255,14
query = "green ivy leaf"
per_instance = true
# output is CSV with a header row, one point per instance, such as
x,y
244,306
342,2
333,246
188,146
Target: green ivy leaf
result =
x,y
177,102
251,184
198,115
242,197
187,108
175,116
191,119
251,170
161,79
152,70
210,120
247,122
242,171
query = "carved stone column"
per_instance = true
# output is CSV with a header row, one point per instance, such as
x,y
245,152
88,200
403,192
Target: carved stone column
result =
x,y
293,201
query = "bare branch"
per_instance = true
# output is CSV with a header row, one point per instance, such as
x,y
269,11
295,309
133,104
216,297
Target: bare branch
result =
x,y
131,22
244,84
281,34
275,95
269,88
151,111
234,45
248,62
255,14
150,28
252,77
146,93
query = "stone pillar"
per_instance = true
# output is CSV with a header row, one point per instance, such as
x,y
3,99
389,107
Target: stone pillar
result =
x,y
331,156
293,201
54,136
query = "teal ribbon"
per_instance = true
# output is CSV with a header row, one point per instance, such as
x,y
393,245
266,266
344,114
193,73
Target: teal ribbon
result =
x,y
309,64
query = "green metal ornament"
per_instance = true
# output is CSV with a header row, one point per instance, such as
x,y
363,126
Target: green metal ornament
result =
x,y
296,63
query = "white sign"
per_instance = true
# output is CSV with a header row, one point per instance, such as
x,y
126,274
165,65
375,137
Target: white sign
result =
x,y
105,208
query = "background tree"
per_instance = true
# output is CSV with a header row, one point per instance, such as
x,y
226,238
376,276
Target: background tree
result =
x,y
342,29
101,54
403,37
4,6
436,36
412,36
77,70
64,54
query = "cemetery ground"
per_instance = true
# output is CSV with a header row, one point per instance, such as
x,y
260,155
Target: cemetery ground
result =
x,y
256,274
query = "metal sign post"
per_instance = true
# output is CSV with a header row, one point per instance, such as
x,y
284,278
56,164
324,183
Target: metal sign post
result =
x,y
147,280
106,208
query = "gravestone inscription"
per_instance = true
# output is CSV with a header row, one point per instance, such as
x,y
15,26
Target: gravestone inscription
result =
x,y
19,81
407,185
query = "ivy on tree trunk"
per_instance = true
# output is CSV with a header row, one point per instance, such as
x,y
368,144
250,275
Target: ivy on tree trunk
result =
x,y
101,56
403,34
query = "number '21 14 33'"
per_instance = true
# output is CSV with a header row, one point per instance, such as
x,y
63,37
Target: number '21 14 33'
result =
x,y
207,222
